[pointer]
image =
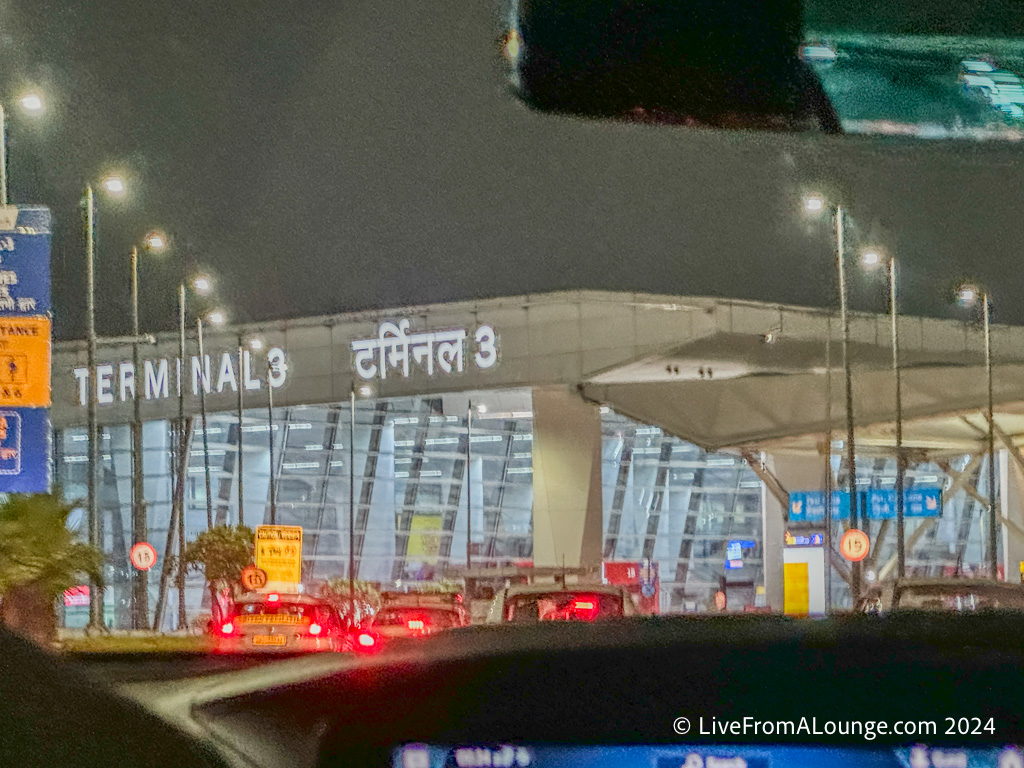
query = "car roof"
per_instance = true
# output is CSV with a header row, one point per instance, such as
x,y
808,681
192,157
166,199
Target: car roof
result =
x,y
956,583
547,589
284,597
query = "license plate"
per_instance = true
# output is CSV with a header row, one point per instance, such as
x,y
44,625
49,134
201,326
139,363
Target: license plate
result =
x,y
269,640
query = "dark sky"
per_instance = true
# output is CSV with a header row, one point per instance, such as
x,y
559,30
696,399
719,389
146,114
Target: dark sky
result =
x,y
326,156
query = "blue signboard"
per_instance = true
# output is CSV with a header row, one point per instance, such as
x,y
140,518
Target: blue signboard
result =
x,y
24,449
24,261
875,504
809,506
25,293
734,552
917,502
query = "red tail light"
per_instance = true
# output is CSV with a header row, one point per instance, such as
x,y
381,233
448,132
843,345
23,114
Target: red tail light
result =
x,y
273,598
315,629
227,628
365,641
585,610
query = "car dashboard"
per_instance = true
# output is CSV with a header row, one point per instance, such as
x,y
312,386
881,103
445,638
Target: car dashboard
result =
x,y
639,693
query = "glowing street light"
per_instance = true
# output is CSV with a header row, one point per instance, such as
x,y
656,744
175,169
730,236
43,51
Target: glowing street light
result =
x,y
156,241
814,204
256,343
32,103
202,284
217,317
870,258
113,184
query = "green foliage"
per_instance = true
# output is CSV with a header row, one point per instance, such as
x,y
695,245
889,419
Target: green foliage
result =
x,y
38,549
367,597
221,552
440,587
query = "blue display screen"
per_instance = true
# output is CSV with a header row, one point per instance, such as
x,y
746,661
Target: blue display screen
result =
x,y
508,755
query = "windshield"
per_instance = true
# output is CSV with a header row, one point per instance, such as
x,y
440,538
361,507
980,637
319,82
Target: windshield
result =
x,y
562,606
505,299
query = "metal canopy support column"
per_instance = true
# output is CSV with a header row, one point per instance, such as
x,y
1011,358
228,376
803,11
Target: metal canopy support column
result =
x,y
660,487
619,496
689,530
369,474
403,522
451,511
491,544
330,439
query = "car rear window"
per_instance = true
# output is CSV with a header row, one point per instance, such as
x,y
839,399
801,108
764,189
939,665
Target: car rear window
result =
x,y
562,606
431,617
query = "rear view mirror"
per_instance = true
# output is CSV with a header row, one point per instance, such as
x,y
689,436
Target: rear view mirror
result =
x,y
781,65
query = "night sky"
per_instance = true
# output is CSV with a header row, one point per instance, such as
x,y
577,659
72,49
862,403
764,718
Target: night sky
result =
x,y
320,157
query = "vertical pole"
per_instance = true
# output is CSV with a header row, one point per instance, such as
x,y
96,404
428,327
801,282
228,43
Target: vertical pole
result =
x,y
182,459
140,592
850,448
270,429
241,495
3,161
352,506
204,381
828,467
469,486
901,467
95,527
993,515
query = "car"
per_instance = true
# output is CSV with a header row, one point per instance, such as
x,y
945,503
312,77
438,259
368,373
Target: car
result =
x,y
943,594
276,621
410,615
532,603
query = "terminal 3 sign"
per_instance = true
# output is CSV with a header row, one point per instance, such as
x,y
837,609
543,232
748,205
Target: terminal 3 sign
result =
x,y
394,350
122,383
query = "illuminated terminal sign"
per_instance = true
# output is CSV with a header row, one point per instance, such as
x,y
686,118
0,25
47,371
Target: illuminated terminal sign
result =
x,y
121,383
394,350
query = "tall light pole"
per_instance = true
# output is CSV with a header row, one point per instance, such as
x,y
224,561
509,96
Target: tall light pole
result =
x,y
968,295
255,344
816,204
352,506
270,430
115,186
156,242
216,317
31,103
871,258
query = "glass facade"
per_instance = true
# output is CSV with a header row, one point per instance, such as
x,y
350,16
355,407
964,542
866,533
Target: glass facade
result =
x,y
663,499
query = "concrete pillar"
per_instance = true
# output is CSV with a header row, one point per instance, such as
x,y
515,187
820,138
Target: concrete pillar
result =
x,y
566,480
1011,503
795,473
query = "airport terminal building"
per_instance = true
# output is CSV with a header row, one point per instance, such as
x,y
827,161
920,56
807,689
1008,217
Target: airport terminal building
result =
x,y
560,430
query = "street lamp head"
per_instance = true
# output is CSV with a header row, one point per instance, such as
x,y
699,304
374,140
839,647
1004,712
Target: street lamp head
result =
x,y
217,317
114,185
255,343
968,295
814,203
32,103
481,408
365,391
202,284
871,258
156,241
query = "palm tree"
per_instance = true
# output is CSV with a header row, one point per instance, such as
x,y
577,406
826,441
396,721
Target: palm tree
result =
x,y
40,557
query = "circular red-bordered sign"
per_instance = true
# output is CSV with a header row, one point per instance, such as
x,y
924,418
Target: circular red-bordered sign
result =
x,y
143,556
854,545
254,578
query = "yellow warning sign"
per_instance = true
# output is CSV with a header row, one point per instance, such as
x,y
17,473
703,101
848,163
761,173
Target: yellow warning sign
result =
x,y
279,552
25,362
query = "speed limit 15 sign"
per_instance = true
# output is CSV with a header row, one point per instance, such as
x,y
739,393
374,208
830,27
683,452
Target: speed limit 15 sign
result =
x,y
143,556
